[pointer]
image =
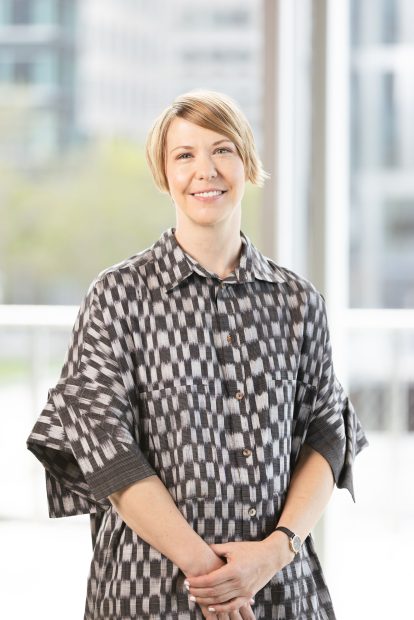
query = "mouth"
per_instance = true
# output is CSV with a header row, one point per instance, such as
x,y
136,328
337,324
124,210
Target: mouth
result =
x,y
214,193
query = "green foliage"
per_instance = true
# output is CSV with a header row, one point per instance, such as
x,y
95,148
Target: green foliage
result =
x,y
93,208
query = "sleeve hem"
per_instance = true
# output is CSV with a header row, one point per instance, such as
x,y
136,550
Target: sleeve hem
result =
x,y
342,471
117,474
342,478
329,455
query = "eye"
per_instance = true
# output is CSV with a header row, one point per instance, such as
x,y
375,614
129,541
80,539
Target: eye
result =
x,y
220,148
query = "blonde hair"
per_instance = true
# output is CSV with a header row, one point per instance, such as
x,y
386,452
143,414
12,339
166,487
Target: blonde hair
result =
x,y
211,110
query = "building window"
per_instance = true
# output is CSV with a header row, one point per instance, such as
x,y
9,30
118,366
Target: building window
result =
x,y
5,12
216,55
389,135
21,13
23,72
45,68
215,19
44,11
6,67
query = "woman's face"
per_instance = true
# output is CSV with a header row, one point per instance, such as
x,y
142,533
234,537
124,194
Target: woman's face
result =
x,y
196,163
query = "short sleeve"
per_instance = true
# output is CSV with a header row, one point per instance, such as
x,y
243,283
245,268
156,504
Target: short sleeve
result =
x,y
86,436
334,429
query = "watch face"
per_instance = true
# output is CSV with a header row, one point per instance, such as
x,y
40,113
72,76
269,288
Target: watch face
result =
x,y
296,543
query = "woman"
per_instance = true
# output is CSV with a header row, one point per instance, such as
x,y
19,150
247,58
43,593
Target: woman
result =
x,y
198,408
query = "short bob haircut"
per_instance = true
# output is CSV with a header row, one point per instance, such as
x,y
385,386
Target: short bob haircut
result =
x,y
211,110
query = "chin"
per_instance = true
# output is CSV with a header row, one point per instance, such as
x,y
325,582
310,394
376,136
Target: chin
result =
x,y
205,223
203,218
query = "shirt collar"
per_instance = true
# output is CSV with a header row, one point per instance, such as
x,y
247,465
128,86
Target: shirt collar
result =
x,y
173,264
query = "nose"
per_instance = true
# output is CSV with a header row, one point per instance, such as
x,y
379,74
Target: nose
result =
x,y
205,167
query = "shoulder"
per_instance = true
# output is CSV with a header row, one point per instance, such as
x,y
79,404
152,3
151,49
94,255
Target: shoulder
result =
x,y
126,273
296,283
305,302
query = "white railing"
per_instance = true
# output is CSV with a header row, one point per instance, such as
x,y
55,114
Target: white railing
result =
x,y
57,315
374,318
363,366
37,316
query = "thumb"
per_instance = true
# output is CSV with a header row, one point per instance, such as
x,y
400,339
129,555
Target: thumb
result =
x,y
221,548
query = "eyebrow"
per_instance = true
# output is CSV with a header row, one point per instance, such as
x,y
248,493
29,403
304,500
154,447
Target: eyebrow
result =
x,y
191,147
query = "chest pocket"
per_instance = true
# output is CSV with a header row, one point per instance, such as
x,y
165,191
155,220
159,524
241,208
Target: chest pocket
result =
x,y
186,431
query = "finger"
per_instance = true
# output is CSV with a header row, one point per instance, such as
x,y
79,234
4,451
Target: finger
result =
x,y
212,579
208,598
219,597
246,613
208,615
233,605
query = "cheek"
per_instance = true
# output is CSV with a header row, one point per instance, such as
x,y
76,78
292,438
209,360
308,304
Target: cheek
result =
x,y
239,174
177,179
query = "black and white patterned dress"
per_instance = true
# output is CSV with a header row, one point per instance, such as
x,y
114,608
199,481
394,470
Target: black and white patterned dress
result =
x,y
211,384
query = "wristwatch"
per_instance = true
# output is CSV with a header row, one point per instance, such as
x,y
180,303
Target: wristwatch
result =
x,y
295,542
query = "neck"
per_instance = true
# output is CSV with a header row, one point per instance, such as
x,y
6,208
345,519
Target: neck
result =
x,y
216,249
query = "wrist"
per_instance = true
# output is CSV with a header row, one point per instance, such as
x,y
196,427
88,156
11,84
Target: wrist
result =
x,y
279,550
202,562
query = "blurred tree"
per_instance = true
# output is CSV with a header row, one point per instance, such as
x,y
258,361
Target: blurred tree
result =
x,y
90,209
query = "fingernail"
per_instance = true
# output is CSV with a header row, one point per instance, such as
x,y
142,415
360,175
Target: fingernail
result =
x,y
192,598
212,609
252,600
187,586
186,583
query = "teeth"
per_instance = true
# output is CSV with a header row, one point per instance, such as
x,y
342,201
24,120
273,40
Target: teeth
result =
x,y
207,194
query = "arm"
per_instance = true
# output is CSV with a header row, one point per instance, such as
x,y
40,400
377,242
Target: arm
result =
x,y
310,489
148,508
256,562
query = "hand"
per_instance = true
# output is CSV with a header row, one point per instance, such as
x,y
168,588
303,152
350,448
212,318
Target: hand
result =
x,y
212,563
245,613
250,565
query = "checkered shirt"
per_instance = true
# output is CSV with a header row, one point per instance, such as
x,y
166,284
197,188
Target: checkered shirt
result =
x,y
211,384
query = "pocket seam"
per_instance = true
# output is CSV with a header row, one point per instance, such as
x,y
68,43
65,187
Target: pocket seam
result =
x,y
175,389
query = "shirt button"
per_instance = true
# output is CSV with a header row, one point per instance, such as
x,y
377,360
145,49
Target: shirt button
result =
x,y
229,338
247,452
252,512
239,395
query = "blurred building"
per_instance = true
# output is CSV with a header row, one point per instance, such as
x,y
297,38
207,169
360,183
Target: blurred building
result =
x,y
72,71
382,154
382,206
136,56
104,68
37,79
124,65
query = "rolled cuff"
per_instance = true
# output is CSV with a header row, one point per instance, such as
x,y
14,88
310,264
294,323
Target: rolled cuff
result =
x,y
86,445
339,442
119,473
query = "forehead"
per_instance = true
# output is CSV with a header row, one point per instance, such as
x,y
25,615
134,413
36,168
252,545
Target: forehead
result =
x,y
182,132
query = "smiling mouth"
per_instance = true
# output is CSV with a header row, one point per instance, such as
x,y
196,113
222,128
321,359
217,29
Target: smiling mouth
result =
x,y
210,194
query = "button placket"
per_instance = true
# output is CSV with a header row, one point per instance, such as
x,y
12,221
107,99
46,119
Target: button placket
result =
x,y
252,512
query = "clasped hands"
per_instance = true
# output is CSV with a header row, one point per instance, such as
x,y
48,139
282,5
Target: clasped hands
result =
x,y
227,591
